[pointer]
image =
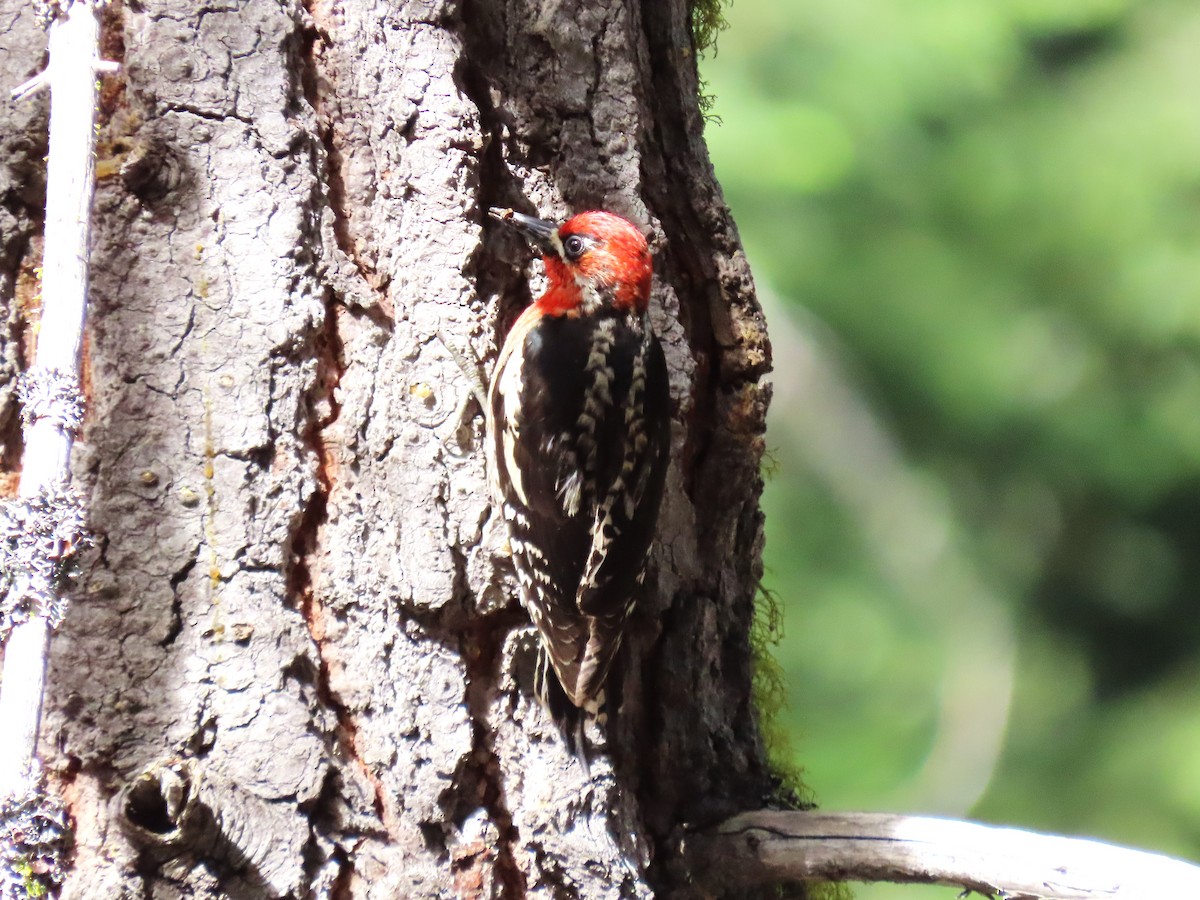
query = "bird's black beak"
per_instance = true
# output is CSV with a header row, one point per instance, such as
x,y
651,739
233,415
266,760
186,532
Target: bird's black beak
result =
x,y
542,233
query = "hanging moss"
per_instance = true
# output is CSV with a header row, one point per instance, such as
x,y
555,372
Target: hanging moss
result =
x,y
770,698
708,20
769,690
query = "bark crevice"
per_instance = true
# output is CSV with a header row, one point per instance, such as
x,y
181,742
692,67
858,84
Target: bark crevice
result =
x,y
481,648
323,411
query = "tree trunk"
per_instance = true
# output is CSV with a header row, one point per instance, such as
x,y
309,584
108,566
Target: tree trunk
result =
x,y
295,666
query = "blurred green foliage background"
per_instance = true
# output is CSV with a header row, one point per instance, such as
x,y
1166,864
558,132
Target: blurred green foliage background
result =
x,y
976,228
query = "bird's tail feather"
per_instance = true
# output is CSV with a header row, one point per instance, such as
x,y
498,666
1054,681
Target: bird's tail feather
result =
x,y
568,718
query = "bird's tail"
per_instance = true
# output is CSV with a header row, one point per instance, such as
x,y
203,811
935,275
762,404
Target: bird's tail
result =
x,y
568,718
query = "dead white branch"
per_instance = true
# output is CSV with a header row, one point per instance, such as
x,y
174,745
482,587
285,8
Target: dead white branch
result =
x,y
71,77
774,847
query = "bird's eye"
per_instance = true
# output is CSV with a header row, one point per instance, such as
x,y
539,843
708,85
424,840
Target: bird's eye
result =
x,y
573,247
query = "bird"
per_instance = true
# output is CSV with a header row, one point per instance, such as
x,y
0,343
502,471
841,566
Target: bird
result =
x,y
578,438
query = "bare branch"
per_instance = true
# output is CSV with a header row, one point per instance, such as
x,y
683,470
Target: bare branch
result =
x,y
54,388
33,86
771,847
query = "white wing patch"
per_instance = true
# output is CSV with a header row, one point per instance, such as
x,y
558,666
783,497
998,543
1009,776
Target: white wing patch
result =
x,y
509,390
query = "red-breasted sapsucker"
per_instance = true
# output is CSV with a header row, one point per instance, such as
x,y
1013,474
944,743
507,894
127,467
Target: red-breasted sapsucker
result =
x,y
578,421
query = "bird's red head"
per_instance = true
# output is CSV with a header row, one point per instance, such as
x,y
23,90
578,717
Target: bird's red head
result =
x,y
593,259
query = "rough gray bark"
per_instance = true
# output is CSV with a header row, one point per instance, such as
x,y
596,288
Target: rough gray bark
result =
x,y
300,597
